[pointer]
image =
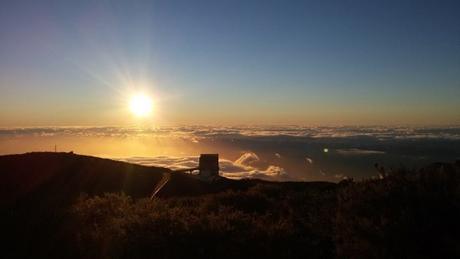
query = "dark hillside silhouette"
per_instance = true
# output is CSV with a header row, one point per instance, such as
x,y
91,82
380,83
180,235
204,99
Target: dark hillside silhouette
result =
x,y
62,177
66,175
59,205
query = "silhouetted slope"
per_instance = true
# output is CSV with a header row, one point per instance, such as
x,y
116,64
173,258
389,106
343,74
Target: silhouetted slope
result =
x,y
66,175
405,214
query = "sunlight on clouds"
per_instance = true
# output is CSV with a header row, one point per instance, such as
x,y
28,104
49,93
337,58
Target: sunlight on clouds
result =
x,y
238,169
247,159
293,152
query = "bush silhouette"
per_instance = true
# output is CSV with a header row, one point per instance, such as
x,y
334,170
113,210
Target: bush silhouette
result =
x,y
408,214
262,221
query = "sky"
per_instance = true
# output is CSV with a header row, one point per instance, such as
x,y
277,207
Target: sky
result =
x,y
230,62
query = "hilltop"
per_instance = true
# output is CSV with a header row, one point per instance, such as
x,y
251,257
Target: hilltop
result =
x,y
67,175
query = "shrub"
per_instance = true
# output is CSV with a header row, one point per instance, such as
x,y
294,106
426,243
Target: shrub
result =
x,y
408,214
262,221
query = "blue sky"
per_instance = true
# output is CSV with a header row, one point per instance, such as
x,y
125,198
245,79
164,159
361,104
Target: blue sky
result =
x,y
231,62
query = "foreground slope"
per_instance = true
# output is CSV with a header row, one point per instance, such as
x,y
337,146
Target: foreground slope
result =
x,y
404,214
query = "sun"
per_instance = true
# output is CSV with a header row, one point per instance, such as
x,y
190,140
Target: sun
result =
x,y
141,105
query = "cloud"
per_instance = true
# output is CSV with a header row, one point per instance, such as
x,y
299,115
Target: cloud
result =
x,y
238,169
171,162
340,176
271,150
247,159
197,133
272,173
358,152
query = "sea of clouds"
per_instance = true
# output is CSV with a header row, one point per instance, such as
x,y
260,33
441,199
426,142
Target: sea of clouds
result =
x,y
199,132
243,167
279,153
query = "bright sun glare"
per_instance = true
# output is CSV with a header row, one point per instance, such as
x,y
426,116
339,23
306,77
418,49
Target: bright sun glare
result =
x,y
140,105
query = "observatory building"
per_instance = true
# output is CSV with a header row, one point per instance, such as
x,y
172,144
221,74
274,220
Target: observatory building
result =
x,y
209,166
207,170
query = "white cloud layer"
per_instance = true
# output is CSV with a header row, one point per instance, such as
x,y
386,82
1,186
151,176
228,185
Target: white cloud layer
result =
x,y
359,152
266,152
238,169
195,133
